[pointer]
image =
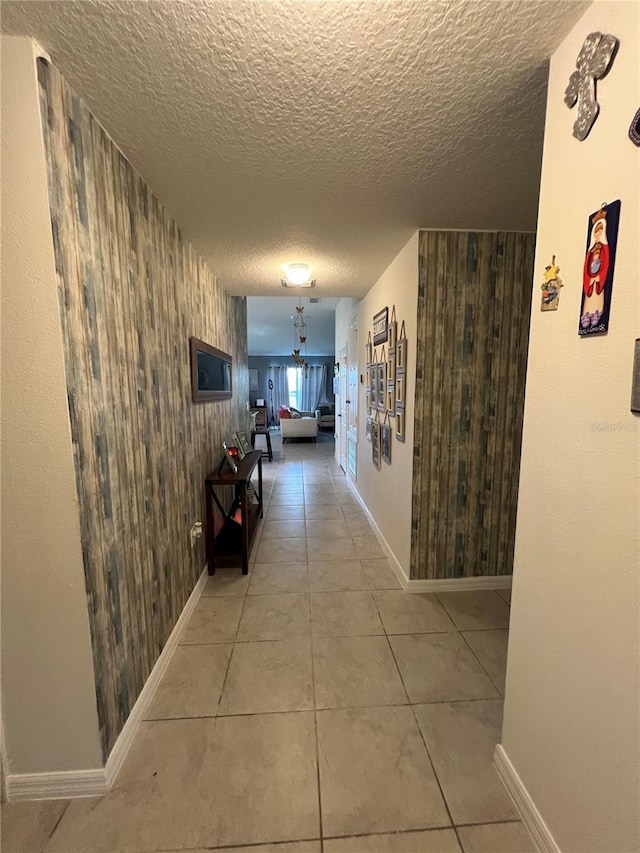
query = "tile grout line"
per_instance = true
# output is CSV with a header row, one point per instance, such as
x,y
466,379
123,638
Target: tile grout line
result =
x,y
484,669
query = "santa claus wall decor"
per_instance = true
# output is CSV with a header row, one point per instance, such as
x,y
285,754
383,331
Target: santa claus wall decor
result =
x,y
597,272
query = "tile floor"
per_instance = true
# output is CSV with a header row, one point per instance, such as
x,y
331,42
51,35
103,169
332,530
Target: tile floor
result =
x,y
311,706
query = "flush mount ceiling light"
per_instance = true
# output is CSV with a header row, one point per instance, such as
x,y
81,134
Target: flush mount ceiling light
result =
x,y
298,275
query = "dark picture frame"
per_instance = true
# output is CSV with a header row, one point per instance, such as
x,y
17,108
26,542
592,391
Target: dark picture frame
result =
x,y
381,327
211,372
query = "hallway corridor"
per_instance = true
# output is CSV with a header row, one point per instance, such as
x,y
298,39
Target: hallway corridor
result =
x,y
311,706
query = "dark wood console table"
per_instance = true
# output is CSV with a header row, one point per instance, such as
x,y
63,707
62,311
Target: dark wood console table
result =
x,y
230,547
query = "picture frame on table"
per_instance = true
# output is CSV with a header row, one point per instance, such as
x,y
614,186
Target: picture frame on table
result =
x,y
235,442
230,457
243,442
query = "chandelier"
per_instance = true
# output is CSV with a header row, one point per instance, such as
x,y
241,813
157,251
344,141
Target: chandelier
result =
x,y
300,338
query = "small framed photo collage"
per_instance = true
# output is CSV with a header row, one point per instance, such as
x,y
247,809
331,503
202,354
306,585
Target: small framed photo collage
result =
x,y
385,389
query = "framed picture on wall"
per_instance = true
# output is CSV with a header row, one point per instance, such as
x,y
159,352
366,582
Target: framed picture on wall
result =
x,y
400,392
382,386
400,426
391,398
386,443
375,444
368,428
393,334
373,386
401,355
391,367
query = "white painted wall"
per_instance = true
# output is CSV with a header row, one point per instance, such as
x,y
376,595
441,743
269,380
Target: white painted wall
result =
x,y
572,719
387,492
48,698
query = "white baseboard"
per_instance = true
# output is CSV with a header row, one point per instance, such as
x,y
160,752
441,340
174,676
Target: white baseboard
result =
x,y
395,565
459,584
96,782
126,736
66,784
531,817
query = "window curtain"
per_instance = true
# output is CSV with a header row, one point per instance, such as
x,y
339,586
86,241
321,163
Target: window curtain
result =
x,y
280,394
314,386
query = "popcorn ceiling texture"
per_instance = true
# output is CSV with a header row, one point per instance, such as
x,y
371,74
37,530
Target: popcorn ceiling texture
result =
x,y
323,132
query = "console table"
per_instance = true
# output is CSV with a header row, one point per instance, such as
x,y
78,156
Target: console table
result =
x,y
230,547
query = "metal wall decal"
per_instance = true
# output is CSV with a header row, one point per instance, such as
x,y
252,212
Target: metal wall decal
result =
x,y
634,129
593,62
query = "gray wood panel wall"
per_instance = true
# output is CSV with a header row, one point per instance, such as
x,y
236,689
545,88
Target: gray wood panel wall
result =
x,y
473,329
132,290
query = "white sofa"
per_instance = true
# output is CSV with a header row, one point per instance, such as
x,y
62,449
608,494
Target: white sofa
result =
x,y
304,427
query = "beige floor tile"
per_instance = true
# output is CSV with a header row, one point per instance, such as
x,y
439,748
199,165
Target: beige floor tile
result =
x,y
344,614
233,780
478,609
336,576
280,529
277,512
153,802
264,780
192,684
355,672
440,668
323,498
429,841
359,527
286,499
275,617
496,838
380,575
323,511
353,511
490,647
214,620
226,582
269,676
282,550
273,578
325,548
375,774
287,847
505,595
368,547
461,738
311,490
334,528
411,613
289,489
26,827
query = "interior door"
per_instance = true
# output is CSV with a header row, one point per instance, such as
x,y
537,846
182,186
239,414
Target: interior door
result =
x,y
352,397
343,410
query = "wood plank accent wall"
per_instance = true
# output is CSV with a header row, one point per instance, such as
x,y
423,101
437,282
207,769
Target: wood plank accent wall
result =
x,y
473,328
132,290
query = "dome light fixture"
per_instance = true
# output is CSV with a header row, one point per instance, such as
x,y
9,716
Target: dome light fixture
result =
x,y
298,275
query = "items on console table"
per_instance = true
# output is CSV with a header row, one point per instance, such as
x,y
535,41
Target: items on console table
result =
x,y
231,522
261,415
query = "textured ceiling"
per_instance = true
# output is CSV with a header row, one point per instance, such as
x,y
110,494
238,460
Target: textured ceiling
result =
x,y
317,131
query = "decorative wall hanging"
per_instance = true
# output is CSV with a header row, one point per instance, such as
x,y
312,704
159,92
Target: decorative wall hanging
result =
x,y
400,426
380,327
551,287
373,386
597,274
593,62
634,129
635,379
375,444
401,355
382,386
393,329
399,393
369,421
386,443
369,350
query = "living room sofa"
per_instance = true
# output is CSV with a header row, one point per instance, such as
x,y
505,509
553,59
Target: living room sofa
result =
x,y
297,425
325,415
